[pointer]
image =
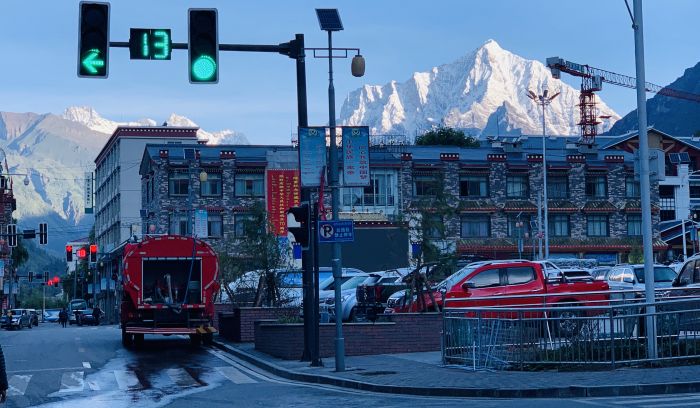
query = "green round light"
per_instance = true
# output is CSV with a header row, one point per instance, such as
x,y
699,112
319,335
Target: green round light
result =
x,y
204,68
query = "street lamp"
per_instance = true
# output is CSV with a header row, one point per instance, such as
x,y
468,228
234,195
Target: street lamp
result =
x,y
544,100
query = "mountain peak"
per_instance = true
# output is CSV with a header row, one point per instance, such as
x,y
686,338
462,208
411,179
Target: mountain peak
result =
x,y
491,45
81,114
178,120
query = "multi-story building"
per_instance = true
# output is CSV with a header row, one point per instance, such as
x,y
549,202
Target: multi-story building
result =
x,y
8,204
481,200
117,181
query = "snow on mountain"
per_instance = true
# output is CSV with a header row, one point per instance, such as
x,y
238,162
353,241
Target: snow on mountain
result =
x,y
484,92
226,136
90,118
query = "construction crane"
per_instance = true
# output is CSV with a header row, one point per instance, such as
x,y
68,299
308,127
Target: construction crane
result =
x,y
592,81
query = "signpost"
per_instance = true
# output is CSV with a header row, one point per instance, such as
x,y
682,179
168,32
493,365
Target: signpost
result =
x,y
336,231
312,155
282,194
200,224
356,156
88,192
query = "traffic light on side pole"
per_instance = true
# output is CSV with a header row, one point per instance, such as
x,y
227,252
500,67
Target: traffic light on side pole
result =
x,y
93,40
93,253
301,230
43,233
203,46
69,253
12,235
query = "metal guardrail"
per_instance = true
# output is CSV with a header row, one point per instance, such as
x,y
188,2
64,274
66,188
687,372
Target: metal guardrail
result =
x,y
609,333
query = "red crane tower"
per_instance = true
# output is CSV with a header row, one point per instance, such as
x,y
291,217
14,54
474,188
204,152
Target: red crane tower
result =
x,y
592,81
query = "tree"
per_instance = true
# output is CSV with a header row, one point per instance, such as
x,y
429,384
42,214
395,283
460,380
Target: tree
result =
x,y
444,136
636,255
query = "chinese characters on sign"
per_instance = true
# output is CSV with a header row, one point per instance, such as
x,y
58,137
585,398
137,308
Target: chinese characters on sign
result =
x,y
282,193
200,223
88,192
356,156
312,155
336,231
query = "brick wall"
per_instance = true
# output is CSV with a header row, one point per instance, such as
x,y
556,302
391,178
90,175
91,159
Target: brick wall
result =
x,y
244,318
404,333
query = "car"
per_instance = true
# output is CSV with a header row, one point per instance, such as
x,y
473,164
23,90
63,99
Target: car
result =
x,y
600,272
289,283
347,296
372,295
626,277
51,315
34,316
327,285
16,319
76,306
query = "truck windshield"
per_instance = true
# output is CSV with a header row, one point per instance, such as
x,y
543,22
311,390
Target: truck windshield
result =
x,y
661,274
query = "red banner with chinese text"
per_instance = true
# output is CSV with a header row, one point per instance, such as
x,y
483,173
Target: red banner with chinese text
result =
x,y
282,193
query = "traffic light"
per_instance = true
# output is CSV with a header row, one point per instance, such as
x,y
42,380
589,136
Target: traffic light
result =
x,y
93,41
115,277
82,253
69,253
43,233
93,253
12,235
203,46
30,277
301,232
46,276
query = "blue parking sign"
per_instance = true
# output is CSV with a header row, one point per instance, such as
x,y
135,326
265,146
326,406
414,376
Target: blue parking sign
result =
x,y
336,231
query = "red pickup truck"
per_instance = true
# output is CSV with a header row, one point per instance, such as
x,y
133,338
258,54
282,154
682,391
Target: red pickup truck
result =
x,y
490,283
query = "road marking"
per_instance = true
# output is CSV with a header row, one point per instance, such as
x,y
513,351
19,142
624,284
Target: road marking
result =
x,y
93,385
86,364
654,398
126,379
181,377
682,404
235,375
45,369
18,384
72,382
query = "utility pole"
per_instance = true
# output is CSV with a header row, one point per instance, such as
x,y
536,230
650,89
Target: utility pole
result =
x,y
645,184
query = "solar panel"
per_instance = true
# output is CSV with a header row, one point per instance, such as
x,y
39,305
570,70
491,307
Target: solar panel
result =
x,y
685,157
329,19
674,158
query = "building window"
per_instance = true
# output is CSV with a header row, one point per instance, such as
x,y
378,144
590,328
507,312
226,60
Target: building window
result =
x,y
557,187
476,226
178,183
473,186
250,185
180,224
240,224
514,230
597,225
211,187
667,202
596,186
516,186
634,224
559,225
427,185
433,226
631,187
214,225
380,192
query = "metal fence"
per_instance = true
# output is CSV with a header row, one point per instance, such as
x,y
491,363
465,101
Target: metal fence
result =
x,y
604,333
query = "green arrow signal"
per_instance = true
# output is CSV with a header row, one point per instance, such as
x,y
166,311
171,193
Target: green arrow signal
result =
x,y
92,61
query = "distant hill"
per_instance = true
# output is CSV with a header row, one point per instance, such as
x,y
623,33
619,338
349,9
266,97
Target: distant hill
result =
x,y
678,117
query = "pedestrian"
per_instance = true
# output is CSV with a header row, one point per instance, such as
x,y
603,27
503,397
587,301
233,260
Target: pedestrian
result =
x,y
3,377
96,313
63,317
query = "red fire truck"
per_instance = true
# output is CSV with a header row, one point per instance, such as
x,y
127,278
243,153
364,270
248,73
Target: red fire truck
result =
x,y
168,287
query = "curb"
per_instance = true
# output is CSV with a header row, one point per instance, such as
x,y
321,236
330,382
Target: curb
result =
x,y
550,392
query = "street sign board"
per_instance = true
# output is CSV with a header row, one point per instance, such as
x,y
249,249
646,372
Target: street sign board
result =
x,y
200,224
88,192
312,155
356,156
336,231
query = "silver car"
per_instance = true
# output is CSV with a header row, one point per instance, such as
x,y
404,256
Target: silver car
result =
x,y
631,278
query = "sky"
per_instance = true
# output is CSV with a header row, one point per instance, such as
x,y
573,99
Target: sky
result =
x,y
256,93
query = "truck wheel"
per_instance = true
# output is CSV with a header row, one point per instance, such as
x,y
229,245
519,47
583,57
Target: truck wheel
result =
x,y
127,339
195,340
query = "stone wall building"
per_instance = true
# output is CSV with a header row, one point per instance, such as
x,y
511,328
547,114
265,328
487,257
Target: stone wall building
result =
x,y
477,200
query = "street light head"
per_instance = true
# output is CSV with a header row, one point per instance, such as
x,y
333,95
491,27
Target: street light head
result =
x,y
358,66
545,91
203,176
26,180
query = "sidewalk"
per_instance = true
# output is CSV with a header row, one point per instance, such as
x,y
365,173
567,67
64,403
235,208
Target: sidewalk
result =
x,y
423,374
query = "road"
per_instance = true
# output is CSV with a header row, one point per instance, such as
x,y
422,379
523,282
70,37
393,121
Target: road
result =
x,y
78,367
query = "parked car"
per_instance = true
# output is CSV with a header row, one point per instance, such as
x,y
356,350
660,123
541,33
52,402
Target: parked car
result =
x,y
631,278
33,316
289,283
600,272
51,315
348,290
327,285
372,295
16,319
75,307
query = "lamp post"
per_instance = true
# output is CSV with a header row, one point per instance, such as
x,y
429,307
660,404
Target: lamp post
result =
x,y
329,21
544,100
519,226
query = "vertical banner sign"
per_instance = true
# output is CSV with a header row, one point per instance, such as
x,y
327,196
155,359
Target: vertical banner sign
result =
x,y
312,155
356,156
88,192
282,193
200,224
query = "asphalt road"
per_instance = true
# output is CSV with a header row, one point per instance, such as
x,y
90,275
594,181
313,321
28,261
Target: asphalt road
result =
x,y
86,367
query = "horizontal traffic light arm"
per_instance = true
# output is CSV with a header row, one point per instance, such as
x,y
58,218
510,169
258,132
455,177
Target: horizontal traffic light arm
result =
x,y
284,48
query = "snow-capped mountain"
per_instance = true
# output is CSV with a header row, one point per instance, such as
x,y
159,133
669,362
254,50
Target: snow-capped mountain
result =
x,y
484,93
55,151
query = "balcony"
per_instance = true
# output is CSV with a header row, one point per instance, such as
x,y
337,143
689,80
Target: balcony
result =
x,y
368,200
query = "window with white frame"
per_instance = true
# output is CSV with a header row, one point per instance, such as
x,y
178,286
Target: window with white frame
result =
x,y
380,192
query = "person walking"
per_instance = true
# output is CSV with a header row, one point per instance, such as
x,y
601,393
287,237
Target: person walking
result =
x,y
63,317
96,313
3,377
